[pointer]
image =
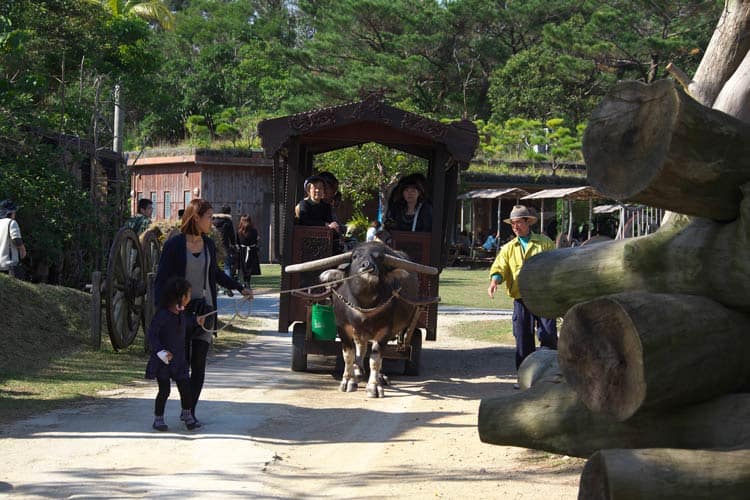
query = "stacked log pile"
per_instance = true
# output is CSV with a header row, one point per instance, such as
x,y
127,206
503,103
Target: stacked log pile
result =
x,y
654,350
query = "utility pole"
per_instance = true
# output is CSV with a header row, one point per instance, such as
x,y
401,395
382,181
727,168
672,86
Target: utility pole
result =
x,y
119,121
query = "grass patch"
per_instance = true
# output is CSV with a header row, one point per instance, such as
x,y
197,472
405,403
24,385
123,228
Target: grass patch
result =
x,y
269,280
458,287
46,361
468,288
499,331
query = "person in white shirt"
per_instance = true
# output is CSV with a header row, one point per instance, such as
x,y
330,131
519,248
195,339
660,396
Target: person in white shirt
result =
x,y
372,231
12,249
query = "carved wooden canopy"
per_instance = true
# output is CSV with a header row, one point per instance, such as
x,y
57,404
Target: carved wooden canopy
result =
x,y
369,120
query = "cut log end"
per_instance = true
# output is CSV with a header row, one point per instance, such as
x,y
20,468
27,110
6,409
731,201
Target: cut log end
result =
x,y
630,128
600,354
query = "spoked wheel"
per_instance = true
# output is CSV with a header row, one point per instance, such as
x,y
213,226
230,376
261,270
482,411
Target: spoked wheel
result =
x,y
412,364
125,289
151,255
151,251
299,353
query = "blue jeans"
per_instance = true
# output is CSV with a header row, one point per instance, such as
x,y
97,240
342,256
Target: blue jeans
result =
x,y
524,322
228,264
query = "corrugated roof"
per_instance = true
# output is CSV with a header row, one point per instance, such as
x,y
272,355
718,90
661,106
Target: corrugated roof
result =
x,y
493,194
576,193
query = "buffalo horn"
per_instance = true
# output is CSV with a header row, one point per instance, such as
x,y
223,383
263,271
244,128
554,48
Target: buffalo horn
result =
x,y
409,265
314,265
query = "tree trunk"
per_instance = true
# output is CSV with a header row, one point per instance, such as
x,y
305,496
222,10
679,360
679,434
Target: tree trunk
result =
x,y
666,474
540,365
734,98
728,46
655,145
696,257
550,416
626,352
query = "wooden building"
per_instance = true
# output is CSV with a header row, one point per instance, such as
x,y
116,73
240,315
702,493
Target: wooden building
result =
x,y
171,178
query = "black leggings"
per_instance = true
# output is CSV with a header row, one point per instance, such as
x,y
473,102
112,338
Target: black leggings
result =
x,y
197,352
165,386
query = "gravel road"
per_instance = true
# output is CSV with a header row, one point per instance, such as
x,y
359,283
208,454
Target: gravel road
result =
x,y
273,433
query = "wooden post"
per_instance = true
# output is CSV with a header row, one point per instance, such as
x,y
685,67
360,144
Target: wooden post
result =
x,y
96,309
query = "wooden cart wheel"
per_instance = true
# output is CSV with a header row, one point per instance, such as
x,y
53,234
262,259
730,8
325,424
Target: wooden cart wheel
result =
x,y
299,353
412,364
125,288
151,250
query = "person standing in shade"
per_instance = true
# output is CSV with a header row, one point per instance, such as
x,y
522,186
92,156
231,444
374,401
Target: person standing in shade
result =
x,y
140,221
247,239
223,223
192,255
506,268
12,248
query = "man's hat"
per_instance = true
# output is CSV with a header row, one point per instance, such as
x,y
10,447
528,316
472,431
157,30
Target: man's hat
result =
x,y
521,212
7,207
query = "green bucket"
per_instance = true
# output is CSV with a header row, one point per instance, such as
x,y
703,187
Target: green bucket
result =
x,y
323,322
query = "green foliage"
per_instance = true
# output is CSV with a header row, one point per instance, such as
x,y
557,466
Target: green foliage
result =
x,y
357,225
529,139
57,221
367,169
199,133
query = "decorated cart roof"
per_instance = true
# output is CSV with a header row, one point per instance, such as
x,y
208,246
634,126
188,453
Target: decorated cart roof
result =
x,y
369,120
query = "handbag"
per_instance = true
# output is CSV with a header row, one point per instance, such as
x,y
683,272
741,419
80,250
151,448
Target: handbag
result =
x,y
199,307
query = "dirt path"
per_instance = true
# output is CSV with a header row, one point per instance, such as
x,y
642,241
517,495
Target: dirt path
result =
x,y
272,433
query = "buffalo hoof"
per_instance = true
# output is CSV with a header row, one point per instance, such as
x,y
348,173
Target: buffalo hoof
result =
x,y
374,391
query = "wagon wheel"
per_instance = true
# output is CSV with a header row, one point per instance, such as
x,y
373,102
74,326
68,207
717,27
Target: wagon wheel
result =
x,y
151,250
412,364
125,288
299,352
151,256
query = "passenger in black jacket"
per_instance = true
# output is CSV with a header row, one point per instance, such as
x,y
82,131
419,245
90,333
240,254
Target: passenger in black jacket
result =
x,y
223,224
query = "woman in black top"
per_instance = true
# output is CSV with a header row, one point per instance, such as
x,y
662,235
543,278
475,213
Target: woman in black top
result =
x,y
193,243
409,209
247,239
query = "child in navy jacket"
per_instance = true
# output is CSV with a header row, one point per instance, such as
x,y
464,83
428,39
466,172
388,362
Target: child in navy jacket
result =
x,y
166,336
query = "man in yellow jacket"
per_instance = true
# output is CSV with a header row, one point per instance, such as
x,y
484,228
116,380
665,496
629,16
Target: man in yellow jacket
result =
x,y
506,268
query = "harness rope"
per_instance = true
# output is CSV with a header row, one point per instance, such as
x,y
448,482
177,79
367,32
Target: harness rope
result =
x,y
238,304
419,303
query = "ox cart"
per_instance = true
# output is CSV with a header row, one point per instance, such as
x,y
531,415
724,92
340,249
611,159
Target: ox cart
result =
x,y
293,141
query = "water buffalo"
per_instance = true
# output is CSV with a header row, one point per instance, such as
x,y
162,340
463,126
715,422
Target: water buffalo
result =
x,y
372,306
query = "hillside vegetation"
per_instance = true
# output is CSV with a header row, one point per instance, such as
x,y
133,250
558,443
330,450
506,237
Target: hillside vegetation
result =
x,y
39,322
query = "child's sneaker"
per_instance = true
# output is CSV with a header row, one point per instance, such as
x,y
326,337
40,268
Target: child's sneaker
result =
x,y
160,425
189,420
198,423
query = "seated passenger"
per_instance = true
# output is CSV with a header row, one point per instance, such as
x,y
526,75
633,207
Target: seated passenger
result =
x,y
312,210
492,241
409,209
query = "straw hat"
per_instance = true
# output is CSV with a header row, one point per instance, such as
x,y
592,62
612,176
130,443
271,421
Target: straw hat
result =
x,y
521,212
